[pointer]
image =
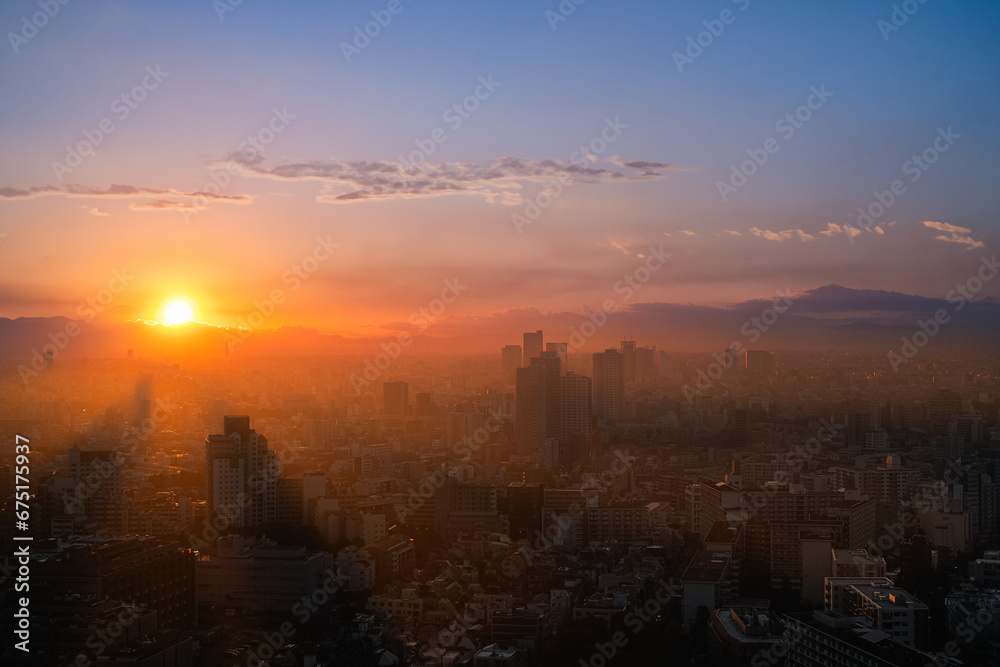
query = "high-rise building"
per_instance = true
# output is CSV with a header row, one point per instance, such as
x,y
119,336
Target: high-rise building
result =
x,y
575,406
157,574
241,475
742,436
647,365
609,385
395,399
760,362
562,351
510,361
628,360
536,414
98,478
532,346
828,639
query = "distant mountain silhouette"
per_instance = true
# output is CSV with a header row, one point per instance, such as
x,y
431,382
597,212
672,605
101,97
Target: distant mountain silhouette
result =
x,y
827,317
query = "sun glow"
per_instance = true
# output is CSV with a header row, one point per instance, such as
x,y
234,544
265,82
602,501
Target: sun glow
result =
x,y
178,312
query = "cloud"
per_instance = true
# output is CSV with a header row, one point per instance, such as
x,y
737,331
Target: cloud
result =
x,y
97,211
164,205
501,181
768,235
833,228
117,191
686,232
734,232
954,234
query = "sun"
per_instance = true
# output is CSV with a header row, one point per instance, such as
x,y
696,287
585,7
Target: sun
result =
x,y
178,312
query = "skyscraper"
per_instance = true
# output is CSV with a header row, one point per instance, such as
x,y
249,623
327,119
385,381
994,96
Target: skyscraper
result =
x,y
609,385
562,350
395,399
647,365
536,415
760,362
241,474
510,361
628,360
532,346
575,410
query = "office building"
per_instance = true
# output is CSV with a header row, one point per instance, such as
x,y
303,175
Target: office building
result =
x,y
532,346
510,361
241,475
609,386
395,399
828,639
562,351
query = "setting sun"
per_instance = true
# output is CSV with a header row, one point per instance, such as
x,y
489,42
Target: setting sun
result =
x,y
178,312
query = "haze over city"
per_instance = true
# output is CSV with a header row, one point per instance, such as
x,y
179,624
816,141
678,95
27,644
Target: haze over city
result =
x,y
559,332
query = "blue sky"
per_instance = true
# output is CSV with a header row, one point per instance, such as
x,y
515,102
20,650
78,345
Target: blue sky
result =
x,y
607,60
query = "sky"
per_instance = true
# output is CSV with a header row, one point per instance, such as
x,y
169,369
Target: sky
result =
x,y
587,140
